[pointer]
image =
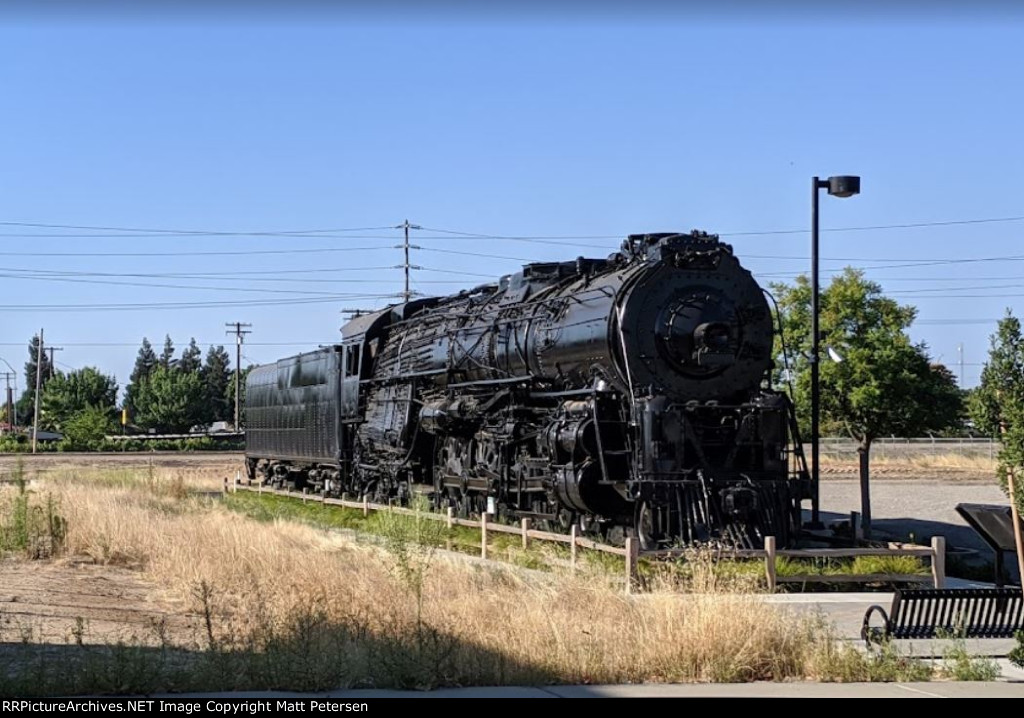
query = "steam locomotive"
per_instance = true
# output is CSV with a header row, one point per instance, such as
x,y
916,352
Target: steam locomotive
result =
x,y
629,395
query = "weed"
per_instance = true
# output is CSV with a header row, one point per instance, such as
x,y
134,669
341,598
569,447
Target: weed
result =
x,y
838,662
959,665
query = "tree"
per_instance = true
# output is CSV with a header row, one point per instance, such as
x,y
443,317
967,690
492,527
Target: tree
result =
x,y
169,401
28,397
192,358
997,405
216,378
67,395
145,362
167,355
884,385
86,430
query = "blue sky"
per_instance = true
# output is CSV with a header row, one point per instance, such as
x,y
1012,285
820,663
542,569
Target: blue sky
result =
x,y
527,126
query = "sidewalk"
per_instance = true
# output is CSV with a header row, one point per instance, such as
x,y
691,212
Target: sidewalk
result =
x,y
690,690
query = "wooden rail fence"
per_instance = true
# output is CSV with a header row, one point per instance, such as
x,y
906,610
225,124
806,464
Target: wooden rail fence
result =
x,y
632,552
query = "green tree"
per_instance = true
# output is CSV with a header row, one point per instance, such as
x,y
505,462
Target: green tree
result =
x,y
167,355
169,401
885,384
28,397
192,358
67,395
145,362
216,379
997,405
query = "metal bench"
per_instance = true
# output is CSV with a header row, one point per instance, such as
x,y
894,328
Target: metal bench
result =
x,y
938,612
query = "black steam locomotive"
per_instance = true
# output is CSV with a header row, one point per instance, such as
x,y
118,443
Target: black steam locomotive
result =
x,y
627,394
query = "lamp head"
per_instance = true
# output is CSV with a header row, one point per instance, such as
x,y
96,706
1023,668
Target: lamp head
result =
x,y
844,185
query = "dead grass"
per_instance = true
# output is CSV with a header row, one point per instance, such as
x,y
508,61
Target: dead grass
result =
x,y
916,462
286,605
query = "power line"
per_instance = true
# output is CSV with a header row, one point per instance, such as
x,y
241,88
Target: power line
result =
x,y
317,250
187,305
158,285
475,254
546,238
199,343
201,232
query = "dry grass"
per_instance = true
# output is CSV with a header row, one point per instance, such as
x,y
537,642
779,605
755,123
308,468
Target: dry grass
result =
x,y
915,462
285,605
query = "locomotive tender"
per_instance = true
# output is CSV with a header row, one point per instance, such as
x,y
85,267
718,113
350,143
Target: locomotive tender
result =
x,y
627,394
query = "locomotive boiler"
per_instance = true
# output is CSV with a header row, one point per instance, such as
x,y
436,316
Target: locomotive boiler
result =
x,y
626,394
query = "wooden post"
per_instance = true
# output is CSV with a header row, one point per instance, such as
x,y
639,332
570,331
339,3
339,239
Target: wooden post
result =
x,y
769,562
225,484
572,549
305,492
1014,513
632,558
483,535
1015,517
525,524
366,505
939,561
451,516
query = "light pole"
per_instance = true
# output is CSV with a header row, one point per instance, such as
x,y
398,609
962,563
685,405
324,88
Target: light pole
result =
x,y
838,186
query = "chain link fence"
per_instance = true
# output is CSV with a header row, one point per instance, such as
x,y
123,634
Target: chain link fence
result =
x,y
894,449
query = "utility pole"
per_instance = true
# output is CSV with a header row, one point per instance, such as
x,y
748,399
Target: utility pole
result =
x,y
239,333
39,383
11,419
960,351
53,366
407,294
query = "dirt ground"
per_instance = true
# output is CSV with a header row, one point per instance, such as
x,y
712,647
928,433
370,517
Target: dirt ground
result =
x,y
231,460
105,604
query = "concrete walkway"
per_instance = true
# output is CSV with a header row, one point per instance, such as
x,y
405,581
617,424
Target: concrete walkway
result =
x,y
846,612
690,690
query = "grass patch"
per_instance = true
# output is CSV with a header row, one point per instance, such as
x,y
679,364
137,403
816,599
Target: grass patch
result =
x,y
697,571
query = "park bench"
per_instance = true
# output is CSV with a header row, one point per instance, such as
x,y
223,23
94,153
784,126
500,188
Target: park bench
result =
x,y
948,612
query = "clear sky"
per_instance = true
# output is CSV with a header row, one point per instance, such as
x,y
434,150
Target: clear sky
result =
x,y
523,123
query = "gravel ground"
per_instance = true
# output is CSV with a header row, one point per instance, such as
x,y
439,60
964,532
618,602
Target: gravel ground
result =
x,y
924,508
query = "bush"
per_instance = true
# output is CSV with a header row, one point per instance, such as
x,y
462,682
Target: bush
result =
x,y
86,429
14,443
1017,654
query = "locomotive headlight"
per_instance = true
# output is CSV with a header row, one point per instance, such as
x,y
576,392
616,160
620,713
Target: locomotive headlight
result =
x,y
697,336
714,336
